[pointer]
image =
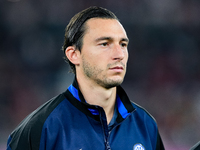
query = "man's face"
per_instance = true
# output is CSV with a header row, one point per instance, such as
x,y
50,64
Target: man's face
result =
x,y
104,52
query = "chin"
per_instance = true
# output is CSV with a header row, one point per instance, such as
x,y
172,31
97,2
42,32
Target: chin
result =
x,y
113,83
109,82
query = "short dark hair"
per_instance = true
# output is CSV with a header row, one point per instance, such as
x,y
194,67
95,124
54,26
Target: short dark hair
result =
x,y
76,28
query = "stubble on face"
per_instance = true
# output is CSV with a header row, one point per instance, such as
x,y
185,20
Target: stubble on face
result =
x,y
99,76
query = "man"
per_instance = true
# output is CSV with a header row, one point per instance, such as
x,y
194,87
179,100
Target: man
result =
x,y
95,112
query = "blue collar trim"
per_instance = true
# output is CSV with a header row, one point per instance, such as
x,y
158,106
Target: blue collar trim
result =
x,y
121,108
74,92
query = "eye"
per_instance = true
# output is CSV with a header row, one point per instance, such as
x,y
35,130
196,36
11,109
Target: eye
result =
x,y
124,44
104,44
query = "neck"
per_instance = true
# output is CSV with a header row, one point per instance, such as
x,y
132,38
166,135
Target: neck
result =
x,y
97,95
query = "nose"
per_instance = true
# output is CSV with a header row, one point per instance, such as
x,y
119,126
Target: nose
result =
x,y
118,52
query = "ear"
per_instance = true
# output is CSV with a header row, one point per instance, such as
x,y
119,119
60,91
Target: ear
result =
x,y
73,55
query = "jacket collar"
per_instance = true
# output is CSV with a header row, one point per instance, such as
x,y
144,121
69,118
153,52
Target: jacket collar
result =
x,y
124,105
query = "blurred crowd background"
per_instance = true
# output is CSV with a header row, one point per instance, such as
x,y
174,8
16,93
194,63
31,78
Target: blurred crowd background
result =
x,y
163,70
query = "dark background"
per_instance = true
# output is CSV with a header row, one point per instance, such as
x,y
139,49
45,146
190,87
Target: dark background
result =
x,y
163,70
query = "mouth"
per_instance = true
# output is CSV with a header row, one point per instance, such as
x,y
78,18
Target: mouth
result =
x,y
117,68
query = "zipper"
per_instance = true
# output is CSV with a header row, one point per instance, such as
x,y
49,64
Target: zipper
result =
x,y
107,135
104,125
108,146
107,142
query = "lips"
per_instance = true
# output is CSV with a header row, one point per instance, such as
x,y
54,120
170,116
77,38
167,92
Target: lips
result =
x,y
118,67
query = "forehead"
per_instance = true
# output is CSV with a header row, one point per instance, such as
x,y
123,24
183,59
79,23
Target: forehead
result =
x,y
104,27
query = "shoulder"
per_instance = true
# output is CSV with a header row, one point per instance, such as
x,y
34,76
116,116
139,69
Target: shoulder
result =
x,y
144,116
39,116
29,130
146,123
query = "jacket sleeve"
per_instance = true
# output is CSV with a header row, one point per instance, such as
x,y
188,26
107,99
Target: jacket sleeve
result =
x,y
159,145
26,136
24,140
8,143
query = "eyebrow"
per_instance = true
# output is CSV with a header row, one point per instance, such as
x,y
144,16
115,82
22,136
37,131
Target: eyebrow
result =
x,y
109,38
125,39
